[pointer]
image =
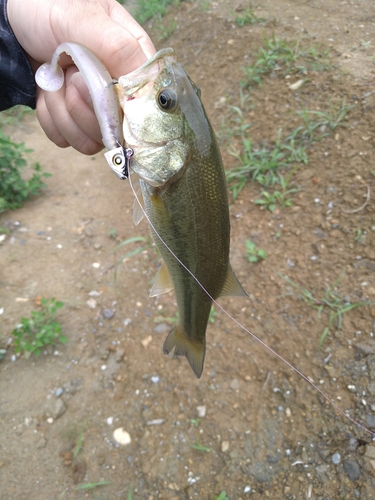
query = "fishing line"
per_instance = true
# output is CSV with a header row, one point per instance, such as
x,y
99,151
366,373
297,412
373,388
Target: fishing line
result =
x,y
275,353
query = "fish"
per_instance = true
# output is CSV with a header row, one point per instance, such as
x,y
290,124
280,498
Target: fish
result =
x,y
183,191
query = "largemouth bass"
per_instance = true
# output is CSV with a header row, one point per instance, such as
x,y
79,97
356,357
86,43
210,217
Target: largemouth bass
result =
x,y
184,192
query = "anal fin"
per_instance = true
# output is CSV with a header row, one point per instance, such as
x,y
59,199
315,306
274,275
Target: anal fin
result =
x,y
163,282
232,286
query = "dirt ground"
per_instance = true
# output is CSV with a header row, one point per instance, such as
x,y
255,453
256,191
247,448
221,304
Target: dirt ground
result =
x,y
269,434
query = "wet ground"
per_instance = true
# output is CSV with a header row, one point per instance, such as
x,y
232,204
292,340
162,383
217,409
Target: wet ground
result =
x,y
251,426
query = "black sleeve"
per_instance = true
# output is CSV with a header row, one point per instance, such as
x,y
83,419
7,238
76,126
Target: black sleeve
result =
x,y
17,82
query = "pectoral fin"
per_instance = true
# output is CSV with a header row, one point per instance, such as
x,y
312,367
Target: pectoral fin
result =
x,y
137,207
232,286
183,346
163,282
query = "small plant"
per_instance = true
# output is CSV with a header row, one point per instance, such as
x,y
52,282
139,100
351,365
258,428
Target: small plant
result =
x,y
253,253
41,330
79,444
222,496
262,164
112,233
322,122
200,447
137,250
15,114
147,9
13,189
165,30
91,486
331,301
212,315
195,422
247,17
284,56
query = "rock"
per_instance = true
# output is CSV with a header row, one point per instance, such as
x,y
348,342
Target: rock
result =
x,y
370,451
91,303
119,355
365,348
234,385
336,458
201,410
224,446
59,391
162,328
41,443
121,436
370,421
55,408
322,470
108,313
351,467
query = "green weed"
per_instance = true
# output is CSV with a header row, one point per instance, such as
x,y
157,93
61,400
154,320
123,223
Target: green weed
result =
x,y
112,233
137,250
91,486
165,30
284,56
247,17
212,315
200,447
41,330
222,496
15,114
195,422
253,253
262,164
13,189
318,124
332,302
148,9
79,444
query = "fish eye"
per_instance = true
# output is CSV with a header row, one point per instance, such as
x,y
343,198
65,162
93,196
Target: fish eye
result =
x,y
167,100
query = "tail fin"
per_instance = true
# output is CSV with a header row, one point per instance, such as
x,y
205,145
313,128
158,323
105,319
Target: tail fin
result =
x,y
184,346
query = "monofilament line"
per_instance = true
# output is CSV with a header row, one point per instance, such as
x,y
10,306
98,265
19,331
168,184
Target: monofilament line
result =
x,y
292,367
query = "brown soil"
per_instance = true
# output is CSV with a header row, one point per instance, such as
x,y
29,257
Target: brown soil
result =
x,y
270,434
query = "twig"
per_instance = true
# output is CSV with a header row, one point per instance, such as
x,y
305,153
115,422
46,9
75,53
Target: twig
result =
x,y
360,208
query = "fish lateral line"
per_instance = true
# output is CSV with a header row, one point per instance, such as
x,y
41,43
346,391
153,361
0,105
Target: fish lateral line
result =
x,y
270,349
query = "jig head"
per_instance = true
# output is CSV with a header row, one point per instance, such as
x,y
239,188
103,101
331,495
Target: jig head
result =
x,y
119,161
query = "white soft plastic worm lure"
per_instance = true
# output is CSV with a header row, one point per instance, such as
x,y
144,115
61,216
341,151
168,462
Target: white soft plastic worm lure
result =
x,y
50,77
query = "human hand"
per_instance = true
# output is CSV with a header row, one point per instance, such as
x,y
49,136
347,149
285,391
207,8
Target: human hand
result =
x,y
105,28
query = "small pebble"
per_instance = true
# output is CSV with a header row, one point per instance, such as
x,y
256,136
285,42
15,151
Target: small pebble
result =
x,y
224,446
234,385
156,421
108,313
58,392
91,303
351,467
336,458
155,379
201,411
109,420
121,436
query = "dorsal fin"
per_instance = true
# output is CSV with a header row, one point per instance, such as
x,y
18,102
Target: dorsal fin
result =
x,y
163,282
232,286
